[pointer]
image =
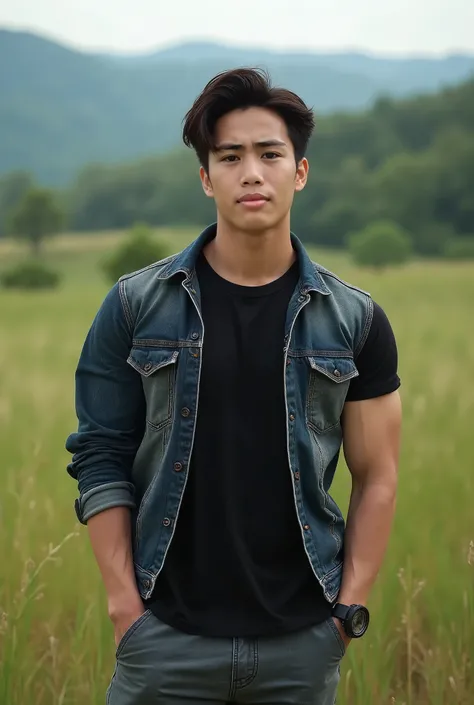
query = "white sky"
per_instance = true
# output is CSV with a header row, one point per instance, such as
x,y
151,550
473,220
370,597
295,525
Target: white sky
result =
x,y
382,26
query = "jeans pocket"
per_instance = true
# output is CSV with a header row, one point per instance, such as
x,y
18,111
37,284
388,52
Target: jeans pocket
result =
x,y
130,631
336,636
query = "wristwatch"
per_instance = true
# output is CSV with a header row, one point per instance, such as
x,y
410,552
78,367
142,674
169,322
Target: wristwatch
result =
x,y
354,618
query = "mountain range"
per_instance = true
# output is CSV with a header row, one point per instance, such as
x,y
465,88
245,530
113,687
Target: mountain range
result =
x,y
61,108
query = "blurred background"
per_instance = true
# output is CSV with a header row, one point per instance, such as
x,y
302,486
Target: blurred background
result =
x,y
95,182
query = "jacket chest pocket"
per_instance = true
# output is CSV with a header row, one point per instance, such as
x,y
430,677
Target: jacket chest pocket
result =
x,y
158,373
329,379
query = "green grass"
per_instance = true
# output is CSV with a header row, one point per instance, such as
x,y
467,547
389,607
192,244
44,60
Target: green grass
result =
x,y
56,643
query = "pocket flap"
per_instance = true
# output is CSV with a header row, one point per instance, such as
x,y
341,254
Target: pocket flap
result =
x,y
147,362
338,369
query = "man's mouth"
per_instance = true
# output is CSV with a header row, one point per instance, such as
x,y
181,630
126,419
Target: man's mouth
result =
x,y
253,200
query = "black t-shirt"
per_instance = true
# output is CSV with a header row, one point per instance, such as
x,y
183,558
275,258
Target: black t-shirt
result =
x,y
236,565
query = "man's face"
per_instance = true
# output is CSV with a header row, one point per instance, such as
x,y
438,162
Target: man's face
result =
x,y
252,173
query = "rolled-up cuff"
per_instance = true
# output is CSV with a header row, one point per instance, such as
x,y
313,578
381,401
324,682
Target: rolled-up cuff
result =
x,y
96,500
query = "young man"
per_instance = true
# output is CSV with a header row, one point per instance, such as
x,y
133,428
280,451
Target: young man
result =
x,y
214,391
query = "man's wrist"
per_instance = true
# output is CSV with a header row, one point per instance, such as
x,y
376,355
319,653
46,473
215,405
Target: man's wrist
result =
x,y
353,619
123,602
352,596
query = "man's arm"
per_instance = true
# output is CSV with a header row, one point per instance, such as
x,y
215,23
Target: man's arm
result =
x,y
371,432
110,536
371,424
110,406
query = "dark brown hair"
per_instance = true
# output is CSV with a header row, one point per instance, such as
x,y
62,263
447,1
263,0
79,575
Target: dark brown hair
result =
x,y
244,88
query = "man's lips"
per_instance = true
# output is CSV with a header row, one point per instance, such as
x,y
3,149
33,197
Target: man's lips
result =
x,y
253,201
252,198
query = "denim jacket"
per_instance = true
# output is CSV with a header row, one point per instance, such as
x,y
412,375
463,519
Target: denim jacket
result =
x,y
137,392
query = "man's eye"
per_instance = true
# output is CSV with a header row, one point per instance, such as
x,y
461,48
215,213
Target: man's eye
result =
x,y
229,158
271,155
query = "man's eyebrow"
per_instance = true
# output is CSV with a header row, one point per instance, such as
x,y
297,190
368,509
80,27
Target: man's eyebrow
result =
x,y
231,147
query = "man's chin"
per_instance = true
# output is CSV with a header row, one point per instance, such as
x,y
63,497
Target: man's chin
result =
x,y
256,222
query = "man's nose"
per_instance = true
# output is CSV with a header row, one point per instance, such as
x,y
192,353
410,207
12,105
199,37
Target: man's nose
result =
x,y
252,173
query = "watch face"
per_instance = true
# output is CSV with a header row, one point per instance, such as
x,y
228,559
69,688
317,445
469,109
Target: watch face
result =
x,y
360,621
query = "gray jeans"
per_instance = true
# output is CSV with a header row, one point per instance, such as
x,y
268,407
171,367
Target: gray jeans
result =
x,y
157,665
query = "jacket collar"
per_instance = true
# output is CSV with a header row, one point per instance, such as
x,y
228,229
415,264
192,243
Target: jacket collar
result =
x,y
185,261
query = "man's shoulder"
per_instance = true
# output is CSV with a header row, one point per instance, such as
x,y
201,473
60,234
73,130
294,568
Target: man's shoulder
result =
x,y
153,271
336,284
349,303
149,287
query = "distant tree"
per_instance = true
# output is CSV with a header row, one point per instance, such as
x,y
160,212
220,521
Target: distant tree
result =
x,y
36,216
460,248
13,188
139,250
348,206
405,190
381,244
432,239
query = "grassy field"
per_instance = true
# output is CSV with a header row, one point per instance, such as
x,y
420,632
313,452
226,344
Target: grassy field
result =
x,y
56,643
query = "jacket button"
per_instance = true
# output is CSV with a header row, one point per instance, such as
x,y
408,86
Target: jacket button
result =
x,y
195,336
178,466
148,367
147,584
306,527
185,412
166,521
297,476
337,373
301,298
292,417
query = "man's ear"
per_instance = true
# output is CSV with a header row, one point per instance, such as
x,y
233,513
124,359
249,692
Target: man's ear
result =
x,y
301,175
206,183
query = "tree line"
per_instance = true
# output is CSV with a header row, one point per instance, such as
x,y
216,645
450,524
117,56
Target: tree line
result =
x,y
407,162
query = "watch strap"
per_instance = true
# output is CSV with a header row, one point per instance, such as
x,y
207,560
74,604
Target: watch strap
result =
x,y
340,611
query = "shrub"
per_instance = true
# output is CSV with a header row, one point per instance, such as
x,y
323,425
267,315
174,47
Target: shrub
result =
x,y
30,275
380,245
431,239
460,248
139,250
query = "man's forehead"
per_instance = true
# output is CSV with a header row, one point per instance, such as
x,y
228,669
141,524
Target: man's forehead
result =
x,y
251,125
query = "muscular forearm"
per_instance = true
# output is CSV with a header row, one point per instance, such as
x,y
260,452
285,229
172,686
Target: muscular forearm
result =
x,y
110,535
369,521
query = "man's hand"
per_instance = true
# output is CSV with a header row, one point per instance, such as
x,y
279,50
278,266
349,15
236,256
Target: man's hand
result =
x,y
124,613
347,640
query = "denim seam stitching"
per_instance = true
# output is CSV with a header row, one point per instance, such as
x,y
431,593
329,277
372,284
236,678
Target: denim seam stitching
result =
x,y
321,353
152,343
141,620
326,273
143,570
159,427
125,306
109,689
155,265
244,682
322,431
368,323
232,685
338,637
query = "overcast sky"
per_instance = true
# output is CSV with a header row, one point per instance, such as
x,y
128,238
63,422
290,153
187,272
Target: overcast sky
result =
x,y
382,26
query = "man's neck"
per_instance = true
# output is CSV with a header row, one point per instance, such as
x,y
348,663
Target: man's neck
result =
x,y
250,259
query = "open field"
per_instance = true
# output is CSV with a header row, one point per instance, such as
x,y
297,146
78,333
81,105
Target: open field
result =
x,y
56,643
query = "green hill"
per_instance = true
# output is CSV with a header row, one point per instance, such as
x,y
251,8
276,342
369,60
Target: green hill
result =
x,y
61,109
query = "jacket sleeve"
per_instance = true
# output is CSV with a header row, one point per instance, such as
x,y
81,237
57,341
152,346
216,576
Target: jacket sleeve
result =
x,y
110,407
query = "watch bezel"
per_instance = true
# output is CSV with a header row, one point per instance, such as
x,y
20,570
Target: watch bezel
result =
x,y
348,618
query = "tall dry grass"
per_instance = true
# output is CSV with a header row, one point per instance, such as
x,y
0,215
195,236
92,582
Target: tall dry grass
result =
x,y
56,643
